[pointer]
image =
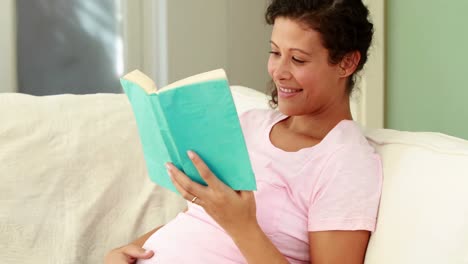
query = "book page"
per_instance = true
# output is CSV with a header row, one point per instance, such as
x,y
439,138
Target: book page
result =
x,y
142,80
211,75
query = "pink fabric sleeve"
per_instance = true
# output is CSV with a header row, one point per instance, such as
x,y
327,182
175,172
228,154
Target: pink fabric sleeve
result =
x,y
348,193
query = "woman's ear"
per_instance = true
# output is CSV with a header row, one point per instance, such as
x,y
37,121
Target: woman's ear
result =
x,y
349,63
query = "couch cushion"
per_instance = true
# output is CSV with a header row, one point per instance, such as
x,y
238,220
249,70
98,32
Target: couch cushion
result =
x,y
424,206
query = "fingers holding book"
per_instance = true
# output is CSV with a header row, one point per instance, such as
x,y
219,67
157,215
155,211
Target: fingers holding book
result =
x,y
193,191
232,210
205,172
190,190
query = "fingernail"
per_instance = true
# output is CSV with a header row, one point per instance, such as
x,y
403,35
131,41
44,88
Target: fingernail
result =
x,y
168,166
191,154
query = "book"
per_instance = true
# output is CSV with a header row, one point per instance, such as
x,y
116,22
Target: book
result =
x,y
197,113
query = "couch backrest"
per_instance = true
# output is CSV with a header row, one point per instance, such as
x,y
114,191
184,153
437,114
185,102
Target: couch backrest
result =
x,y
423,216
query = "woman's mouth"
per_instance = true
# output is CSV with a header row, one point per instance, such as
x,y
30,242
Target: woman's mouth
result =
x,y
287,92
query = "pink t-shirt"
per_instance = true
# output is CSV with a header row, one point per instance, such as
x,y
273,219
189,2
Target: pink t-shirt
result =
x,y
334,185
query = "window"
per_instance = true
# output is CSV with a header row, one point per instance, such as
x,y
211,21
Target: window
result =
x,y
69,46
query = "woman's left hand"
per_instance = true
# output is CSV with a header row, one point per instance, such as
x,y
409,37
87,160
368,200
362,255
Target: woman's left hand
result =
x,y
234,211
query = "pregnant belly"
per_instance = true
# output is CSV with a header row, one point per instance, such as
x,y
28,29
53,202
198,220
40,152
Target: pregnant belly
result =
x,y
190,239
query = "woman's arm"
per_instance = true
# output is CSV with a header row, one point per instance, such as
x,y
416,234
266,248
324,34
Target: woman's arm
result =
x,y
327,247
338,247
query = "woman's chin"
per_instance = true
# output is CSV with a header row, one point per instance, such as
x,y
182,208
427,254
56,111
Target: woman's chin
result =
x,y
288,110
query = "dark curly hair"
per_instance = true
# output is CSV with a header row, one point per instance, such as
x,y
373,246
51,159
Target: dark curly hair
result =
x,y
343,25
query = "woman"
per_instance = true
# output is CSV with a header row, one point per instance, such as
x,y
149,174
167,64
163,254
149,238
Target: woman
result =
x,y
318,179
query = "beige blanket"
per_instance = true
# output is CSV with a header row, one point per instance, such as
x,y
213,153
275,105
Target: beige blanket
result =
x,y
73,181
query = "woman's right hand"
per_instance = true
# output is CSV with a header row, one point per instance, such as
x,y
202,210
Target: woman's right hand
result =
x,y
127,254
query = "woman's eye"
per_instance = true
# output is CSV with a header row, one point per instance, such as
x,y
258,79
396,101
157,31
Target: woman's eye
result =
x,y
298,60
274,53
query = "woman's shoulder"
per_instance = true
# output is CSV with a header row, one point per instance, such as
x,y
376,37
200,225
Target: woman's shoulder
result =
x,y
349,157
347,134
347,145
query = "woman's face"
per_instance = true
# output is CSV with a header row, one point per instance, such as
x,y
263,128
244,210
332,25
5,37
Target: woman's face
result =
x,y
306,82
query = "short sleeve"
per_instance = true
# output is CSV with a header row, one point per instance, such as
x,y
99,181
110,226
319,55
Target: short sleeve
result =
x,y
348,194
244,117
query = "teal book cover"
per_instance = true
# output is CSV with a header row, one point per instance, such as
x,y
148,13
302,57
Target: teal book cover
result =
x,y
197,113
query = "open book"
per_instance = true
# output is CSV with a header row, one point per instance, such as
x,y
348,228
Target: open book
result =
x,y
196,113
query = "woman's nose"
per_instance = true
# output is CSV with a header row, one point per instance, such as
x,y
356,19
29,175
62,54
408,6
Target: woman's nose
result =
x,y
282,71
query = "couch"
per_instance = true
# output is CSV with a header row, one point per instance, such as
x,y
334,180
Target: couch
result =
x,y
73,184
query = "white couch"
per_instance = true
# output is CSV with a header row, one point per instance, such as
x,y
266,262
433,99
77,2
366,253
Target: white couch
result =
x,y
73,184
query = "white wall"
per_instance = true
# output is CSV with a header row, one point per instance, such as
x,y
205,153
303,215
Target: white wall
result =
x,y
372,100
197,37
207,34
248,43
7,46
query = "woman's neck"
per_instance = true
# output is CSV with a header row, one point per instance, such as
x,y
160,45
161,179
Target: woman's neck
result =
x,y
317,125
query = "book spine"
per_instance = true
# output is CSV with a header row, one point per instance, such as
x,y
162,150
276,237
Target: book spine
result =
x,y
166,133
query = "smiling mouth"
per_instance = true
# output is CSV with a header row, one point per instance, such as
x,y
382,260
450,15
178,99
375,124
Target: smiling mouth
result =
x,y
287,90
